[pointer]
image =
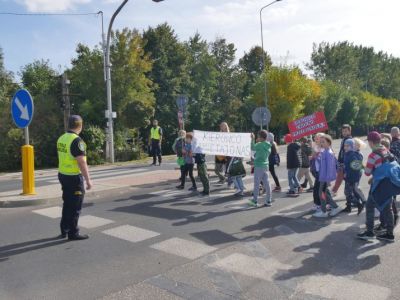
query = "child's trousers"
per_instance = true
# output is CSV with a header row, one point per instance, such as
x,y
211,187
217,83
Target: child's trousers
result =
x,y
261,175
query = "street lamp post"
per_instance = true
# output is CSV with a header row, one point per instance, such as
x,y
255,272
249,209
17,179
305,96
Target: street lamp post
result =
x,y
263,56
108,84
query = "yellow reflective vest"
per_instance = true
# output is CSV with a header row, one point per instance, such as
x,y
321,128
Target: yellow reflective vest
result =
x,y
155,133
67,163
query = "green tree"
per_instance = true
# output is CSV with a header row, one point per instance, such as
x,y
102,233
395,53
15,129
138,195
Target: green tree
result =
x,y
88,86
42,81
202,86
169,74
132,90
288,89
347,114
332,97
230,83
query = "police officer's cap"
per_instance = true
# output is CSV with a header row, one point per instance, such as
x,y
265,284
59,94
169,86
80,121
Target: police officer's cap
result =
x,y
74,121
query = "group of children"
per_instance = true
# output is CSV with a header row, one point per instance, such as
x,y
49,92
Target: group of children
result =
x,y
186,159
305,158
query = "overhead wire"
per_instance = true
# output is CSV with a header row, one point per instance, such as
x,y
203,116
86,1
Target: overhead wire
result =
x,y
49,14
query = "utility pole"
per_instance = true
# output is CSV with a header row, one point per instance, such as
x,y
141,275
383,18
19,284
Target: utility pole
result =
x,y
66,100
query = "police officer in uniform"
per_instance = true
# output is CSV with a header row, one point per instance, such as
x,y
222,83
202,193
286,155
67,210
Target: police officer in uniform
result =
x,y
72,168
155,140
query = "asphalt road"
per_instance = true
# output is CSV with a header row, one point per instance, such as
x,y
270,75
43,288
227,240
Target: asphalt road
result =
x,y
159,243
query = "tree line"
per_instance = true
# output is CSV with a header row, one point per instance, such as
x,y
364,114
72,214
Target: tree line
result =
x,y
352,84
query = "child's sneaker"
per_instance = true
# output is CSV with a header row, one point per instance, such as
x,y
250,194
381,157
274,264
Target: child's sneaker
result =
x,y
253,203
335,211
378,229
239,193
360,208
320,214
268,204
292,194
366,236
347,209
277,189
315,208
387,237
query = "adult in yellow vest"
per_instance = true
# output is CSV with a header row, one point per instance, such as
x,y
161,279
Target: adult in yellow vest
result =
x,y
72,168
155,140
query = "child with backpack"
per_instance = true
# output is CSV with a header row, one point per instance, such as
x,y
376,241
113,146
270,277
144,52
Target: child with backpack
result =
x,y
274,160
353,166
315,163
189,164
177,147
261,159
378,157
293,164
236,172
200,160
306,152
327,174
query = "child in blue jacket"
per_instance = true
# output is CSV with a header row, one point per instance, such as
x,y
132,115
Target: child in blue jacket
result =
x,y
353,166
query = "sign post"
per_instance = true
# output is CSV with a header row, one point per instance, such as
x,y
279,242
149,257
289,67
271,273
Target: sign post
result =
x,y
22,109
181,102
261,116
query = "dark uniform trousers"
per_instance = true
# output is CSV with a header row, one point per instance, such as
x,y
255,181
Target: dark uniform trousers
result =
x,y
156,151
73,193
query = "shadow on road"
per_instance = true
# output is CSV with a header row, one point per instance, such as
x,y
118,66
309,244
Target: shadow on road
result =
x,y
19,248
335,258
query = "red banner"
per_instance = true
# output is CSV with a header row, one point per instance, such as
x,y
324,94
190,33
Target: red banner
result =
x,y
308,125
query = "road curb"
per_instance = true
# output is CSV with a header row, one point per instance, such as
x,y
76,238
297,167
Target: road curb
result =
x,y
26,203
44,201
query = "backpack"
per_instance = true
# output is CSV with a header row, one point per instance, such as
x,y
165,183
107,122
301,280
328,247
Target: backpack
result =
x,y
389,157
236,168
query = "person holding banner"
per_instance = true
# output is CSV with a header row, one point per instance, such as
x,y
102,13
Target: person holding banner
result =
x,y
221,161
261,160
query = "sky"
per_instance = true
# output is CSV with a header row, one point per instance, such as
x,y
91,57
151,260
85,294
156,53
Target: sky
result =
x,y
290,26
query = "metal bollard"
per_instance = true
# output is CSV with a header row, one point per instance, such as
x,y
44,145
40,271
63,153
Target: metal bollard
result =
x,y
28,170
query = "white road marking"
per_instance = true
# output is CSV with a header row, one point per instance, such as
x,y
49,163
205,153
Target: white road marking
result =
x,y
262,268
51,212
183,248
342,288
89,221
131,233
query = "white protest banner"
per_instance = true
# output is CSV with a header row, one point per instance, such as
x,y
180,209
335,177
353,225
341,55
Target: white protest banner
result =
x,y
222,143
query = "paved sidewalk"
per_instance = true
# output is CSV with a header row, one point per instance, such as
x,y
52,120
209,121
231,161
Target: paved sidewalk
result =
x,y
105,178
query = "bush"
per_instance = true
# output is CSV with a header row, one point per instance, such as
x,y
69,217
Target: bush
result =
x,y
10,150
128,145
95,139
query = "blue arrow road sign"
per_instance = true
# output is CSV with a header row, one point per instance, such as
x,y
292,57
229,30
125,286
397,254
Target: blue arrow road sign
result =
x,y
22,108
